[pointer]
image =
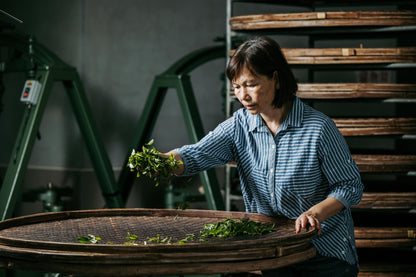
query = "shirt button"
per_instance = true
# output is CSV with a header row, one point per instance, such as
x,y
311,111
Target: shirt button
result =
x,y
272,195
343,252
344,239
271,170
273,146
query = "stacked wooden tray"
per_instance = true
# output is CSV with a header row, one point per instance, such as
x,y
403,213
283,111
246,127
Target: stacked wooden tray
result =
x,y
345,56
356,91
323,19
385,237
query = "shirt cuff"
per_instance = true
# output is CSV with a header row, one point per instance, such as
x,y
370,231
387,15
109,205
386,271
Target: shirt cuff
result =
x,y
184,160
341,199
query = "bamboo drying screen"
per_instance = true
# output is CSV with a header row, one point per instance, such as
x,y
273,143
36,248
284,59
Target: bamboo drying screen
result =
x,y
114,229
48,243
113,225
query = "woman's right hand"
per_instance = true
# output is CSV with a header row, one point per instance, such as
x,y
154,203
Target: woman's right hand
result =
x,y
181,168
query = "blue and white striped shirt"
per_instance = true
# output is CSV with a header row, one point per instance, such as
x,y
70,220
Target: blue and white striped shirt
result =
x,y
306,161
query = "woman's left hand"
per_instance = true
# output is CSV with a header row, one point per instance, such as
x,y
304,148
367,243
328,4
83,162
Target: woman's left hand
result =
x,y
305,220
317,214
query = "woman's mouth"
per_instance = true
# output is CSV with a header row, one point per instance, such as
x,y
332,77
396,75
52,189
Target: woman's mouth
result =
x,y
250,107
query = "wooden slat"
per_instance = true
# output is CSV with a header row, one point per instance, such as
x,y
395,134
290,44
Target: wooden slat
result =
x,y
385,233
390,200
396,273
321,56
385,163
349,55
355,90
370,243
387,269
323,19
376,126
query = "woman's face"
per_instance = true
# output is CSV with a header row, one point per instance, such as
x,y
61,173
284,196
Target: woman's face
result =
x,y
255,92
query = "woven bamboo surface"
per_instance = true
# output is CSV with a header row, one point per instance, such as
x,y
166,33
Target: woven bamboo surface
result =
x,y
51,240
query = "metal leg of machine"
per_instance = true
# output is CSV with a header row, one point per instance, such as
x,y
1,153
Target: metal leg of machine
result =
x,y
22,148
100,160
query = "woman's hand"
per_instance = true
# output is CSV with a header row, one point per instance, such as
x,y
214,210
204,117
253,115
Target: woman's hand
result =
x,y
305,220
180,169
317,214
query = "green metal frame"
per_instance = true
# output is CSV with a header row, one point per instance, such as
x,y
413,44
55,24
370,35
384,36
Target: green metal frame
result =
x,y
176,77
41,64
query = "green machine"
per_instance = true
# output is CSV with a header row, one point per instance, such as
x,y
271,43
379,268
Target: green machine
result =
x,y
42,69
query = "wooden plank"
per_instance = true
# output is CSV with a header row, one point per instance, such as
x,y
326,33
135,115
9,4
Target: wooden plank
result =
x,y
312,56
377,243
385,163
323,19
337,52
385,233
375,122
386,274
376,126
387,269
355,90
325,15
390,200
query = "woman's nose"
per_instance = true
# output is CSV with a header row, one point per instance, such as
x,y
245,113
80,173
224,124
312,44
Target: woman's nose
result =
x,y
244,94
241,93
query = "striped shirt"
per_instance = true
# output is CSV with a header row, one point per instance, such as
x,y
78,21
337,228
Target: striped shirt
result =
x,y
306,161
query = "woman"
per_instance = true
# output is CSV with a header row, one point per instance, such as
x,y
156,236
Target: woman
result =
x,y
291,159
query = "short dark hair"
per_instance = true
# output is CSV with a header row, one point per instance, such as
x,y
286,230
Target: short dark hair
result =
x,y
263,56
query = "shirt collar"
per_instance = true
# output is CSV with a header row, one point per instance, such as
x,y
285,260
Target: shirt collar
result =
x,y
294,118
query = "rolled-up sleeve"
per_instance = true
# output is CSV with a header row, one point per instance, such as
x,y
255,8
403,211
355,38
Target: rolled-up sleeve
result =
x,y
339,167
215,149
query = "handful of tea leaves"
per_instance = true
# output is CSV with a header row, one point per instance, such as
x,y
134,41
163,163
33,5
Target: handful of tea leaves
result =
x,y
231,228
151,163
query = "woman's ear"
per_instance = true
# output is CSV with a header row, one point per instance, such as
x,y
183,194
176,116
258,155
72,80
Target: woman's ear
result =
x,y
276,80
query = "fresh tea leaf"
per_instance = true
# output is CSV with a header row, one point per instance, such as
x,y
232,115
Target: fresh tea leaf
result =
x,y
151,163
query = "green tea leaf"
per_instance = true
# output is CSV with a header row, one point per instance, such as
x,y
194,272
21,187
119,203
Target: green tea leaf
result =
x,y
89,239
152,164
232,228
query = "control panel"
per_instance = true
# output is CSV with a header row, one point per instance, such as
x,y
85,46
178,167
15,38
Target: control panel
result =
x,y
31,92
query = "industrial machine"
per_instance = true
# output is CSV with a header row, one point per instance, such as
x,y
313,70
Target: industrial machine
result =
x,y
42,69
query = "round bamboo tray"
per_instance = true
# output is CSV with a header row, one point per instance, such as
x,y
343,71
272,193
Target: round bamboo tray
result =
x,y
356,90
49,243
323,20
346,56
